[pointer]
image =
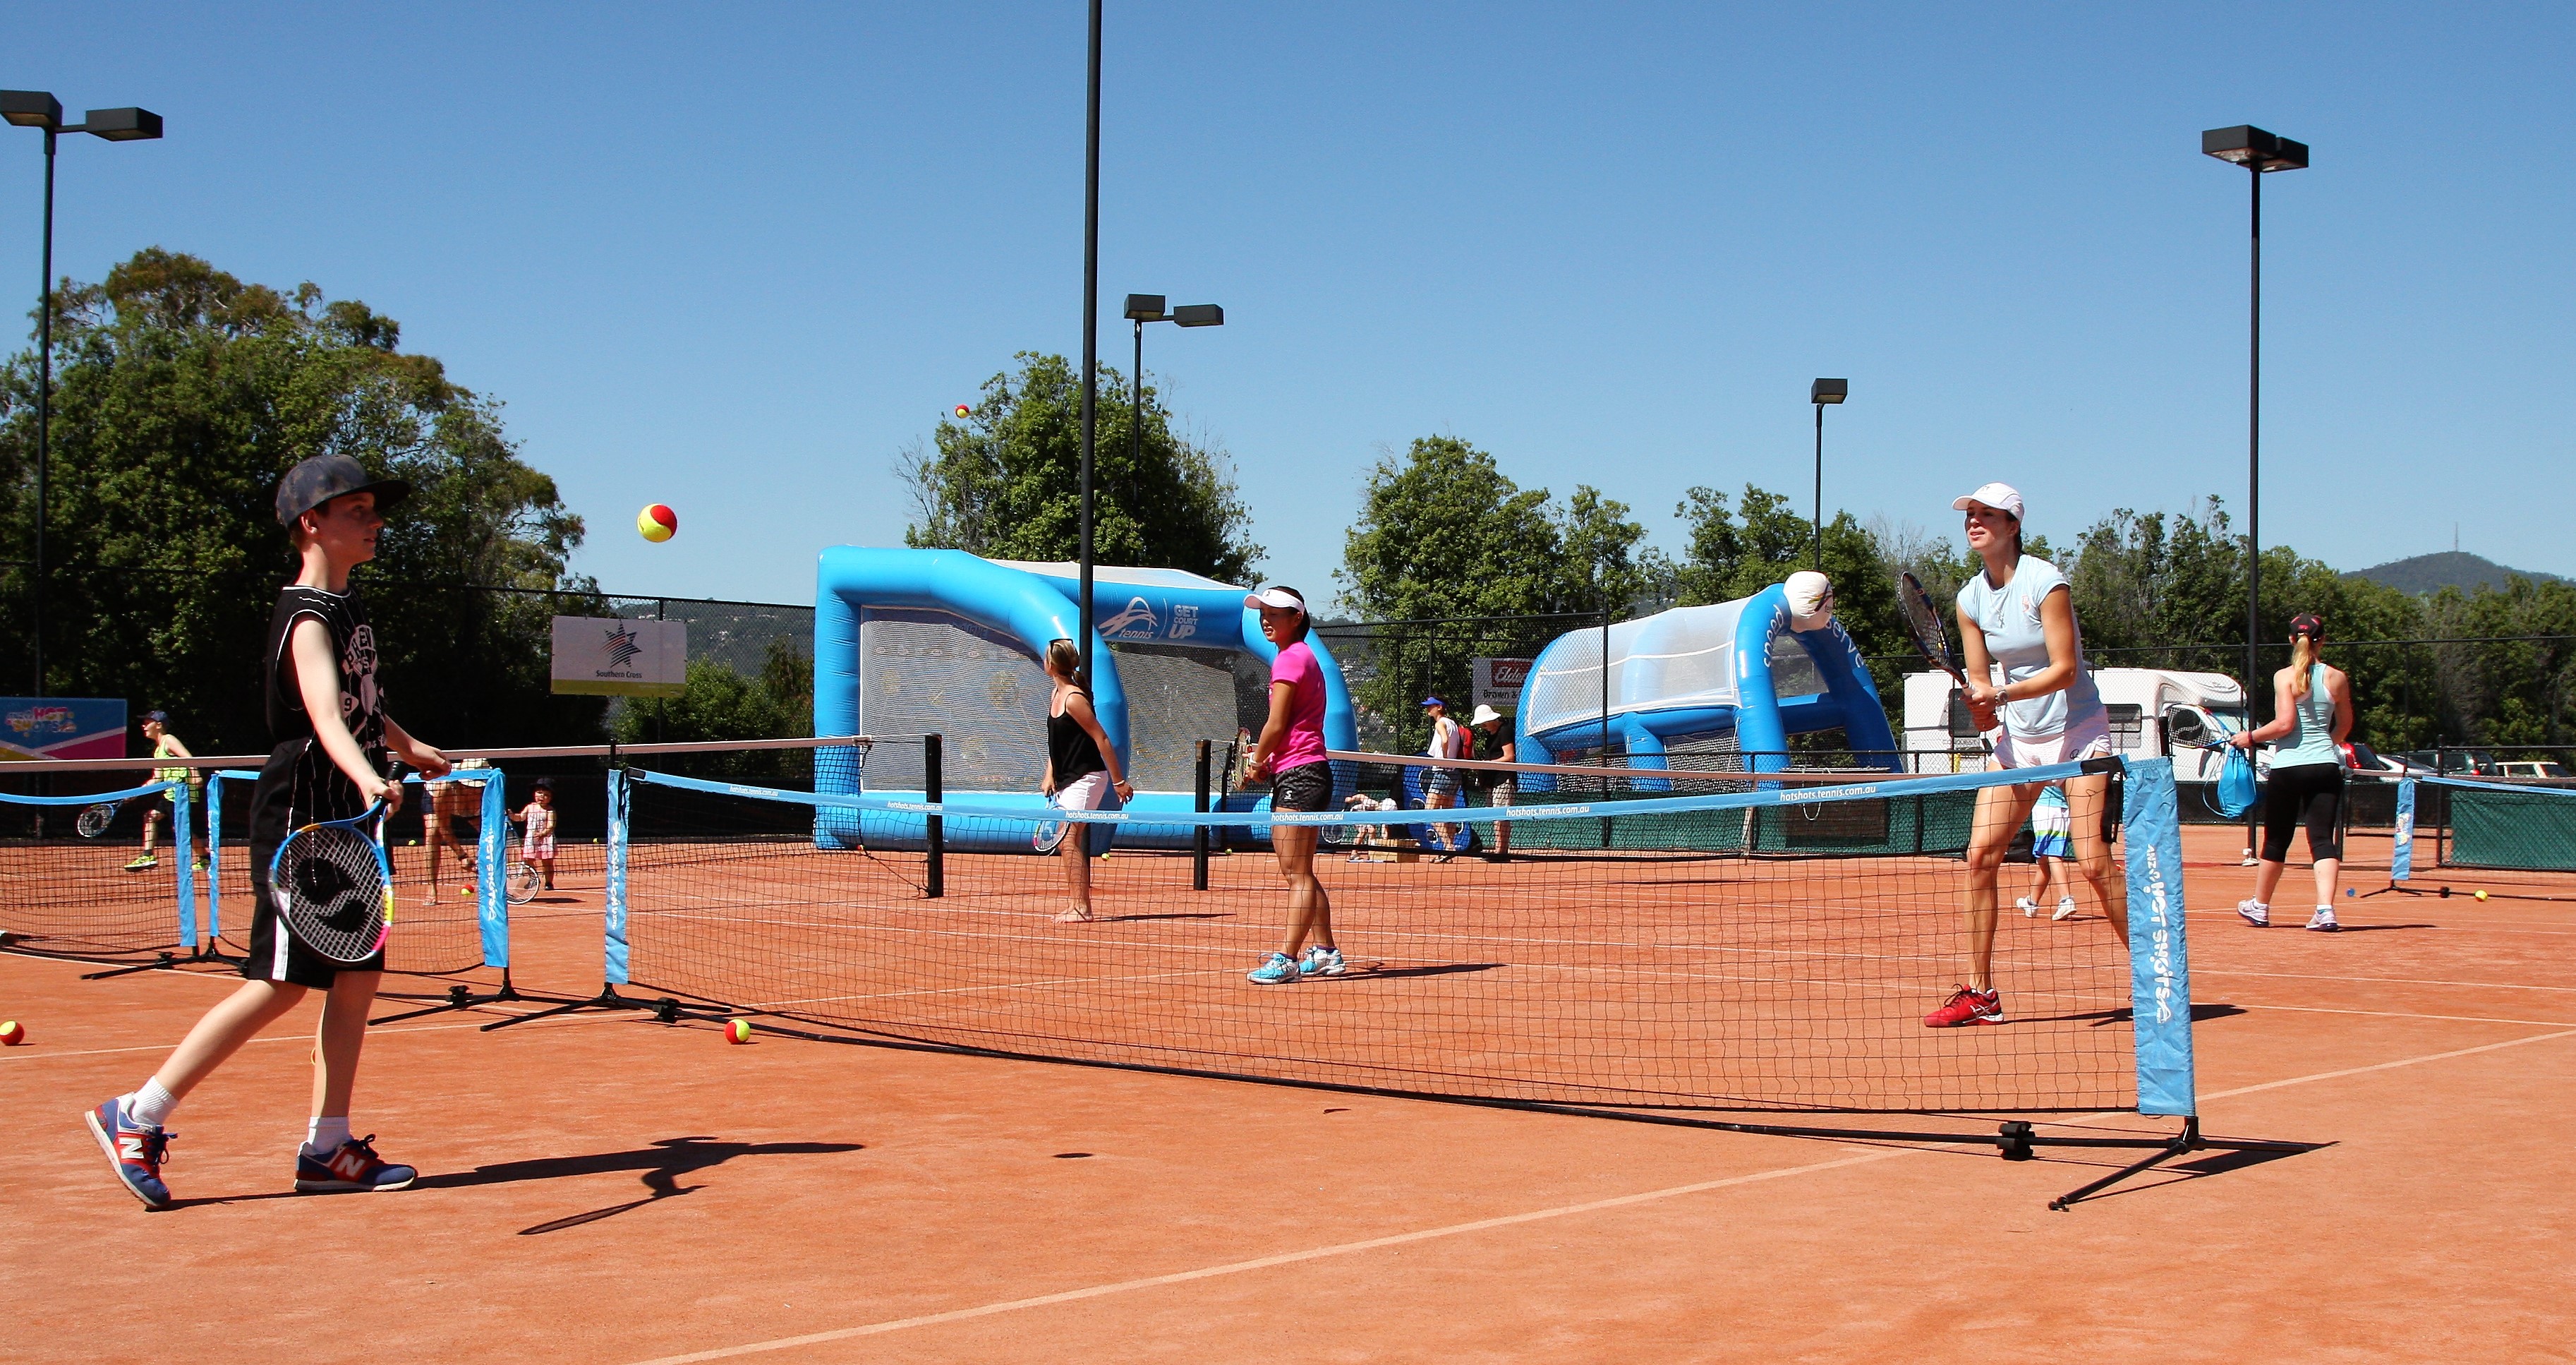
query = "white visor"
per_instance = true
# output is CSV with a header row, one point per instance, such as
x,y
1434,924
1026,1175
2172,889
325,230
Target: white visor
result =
x,y
1277,599
1811,600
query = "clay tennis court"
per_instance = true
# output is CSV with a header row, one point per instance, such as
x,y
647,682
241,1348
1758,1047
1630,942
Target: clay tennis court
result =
x,y
603,1185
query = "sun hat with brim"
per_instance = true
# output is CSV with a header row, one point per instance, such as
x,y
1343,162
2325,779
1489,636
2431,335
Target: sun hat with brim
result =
x,y
318,480
1276,598
1484,715
2003,497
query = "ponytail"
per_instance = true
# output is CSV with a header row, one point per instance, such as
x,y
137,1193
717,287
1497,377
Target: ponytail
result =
x,y
2303,664
1064,658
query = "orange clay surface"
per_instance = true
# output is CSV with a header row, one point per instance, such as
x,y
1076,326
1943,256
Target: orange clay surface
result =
x,y
606,1188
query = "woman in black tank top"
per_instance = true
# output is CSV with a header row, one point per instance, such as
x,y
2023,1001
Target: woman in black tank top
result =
x,y
1082,770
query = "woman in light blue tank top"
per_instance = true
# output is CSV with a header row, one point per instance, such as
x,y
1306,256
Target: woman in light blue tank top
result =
x,y
2311,715
2017,616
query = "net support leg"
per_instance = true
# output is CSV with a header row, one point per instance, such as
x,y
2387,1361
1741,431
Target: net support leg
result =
x,y
2184,1142
664,1008
161,962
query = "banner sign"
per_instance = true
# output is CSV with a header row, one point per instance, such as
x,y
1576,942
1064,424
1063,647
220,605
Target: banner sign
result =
x,y
2159,958
602,657
1498,684
61,727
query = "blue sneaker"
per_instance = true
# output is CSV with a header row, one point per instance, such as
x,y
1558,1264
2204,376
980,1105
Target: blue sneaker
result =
x,y
134,1152
1277,970
355,1166
1321,961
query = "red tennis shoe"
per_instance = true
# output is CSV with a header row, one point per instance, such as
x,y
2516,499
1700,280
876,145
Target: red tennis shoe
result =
x,y
1968,1007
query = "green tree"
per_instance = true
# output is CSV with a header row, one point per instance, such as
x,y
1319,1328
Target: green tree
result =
x,y
2516,689
181,395
1006,481
719,704
1735,552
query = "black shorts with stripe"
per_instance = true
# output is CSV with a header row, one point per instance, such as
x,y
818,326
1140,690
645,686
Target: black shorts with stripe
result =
x,y
275,953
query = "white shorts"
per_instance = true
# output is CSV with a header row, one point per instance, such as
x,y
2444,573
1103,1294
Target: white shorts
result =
x,y
1087,792
2074,744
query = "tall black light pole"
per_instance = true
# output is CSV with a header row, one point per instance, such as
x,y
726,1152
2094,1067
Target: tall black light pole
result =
x,y
1820,393
1090,327
38,109
2259,152
1142,309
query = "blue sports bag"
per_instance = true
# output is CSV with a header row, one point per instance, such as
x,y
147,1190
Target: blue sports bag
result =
x,y
2235,783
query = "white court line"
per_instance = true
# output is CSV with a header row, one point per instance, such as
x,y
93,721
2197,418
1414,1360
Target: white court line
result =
x,y
2403,1014
1459,1229
2379,980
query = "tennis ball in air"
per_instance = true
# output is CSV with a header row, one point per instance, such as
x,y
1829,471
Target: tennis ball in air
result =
x,y
657,523
10,1034
963,411
737,1030
2481,893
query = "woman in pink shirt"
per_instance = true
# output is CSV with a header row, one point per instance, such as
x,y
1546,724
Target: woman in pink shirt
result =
x,y
1291,755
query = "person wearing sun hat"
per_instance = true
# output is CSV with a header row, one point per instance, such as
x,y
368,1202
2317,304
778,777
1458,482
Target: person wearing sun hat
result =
x,y
1493,734
2017,617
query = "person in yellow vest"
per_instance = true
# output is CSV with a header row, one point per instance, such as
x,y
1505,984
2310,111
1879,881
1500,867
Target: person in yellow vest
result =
x,y
156,728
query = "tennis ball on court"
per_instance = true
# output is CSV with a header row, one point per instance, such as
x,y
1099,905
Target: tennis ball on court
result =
x,y
10,1034
737,1030
2481,893
657,523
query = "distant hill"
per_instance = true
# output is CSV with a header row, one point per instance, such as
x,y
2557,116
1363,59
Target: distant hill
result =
x,y
2449,569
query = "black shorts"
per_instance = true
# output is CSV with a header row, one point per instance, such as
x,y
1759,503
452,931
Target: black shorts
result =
x,y
2309,794
1306,787
275,954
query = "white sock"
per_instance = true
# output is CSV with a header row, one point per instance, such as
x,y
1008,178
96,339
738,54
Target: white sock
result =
x,y
151,1105
322,1137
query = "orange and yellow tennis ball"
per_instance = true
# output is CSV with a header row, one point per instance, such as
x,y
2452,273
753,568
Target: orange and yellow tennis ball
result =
x,y
2481,893
737,1030
657,523
10,1034
963,411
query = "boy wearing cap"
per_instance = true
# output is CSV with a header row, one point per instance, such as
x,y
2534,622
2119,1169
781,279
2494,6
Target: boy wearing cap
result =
x,y
156,728
328,722
2017,614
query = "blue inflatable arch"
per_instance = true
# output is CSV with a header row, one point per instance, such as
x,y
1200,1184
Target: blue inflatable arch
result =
x,y
1022,606
1694,672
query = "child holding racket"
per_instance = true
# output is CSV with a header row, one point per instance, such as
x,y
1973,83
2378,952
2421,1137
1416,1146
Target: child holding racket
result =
x,y
1081,772
327,719
537,838
2018,614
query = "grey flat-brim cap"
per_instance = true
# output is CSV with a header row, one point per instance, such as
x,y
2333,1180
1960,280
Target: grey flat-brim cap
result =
x,y
318,480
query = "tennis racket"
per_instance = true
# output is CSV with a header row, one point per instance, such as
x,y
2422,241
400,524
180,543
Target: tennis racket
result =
x,y
1923,623
334,888
1049,835
94,821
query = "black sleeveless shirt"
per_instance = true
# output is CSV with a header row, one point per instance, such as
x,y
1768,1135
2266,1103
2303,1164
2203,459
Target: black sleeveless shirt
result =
x,y
315,786
1071,749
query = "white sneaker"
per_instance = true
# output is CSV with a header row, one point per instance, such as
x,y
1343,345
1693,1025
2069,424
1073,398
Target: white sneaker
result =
x,y
2323,921
2256,913
2027,906
2065,908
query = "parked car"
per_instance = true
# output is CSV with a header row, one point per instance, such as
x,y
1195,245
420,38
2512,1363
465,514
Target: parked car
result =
x,y
2368,760
2539,769
2454,762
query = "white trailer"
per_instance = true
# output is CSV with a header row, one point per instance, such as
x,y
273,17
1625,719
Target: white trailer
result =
x,y
1939,737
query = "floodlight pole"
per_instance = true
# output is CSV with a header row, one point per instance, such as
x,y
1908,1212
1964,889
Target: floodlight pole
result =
x,y
39,109
1090,330
1820,393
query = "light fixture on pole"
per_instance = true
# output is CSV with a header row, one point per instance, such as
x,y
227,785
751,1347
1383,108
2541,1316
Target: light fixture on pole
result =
x,y
37,109
1821,392
1142,309
2260,153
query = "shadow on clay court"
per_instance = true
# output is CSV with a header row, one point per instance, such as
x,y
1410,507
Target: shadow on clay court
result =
x,y
1378,972
664,1165
2207,1164
2200,1014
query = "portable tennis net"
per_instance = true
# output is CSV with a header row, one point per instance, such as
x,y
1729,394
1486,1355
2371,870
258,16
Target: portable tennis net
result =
x,y
2516,838
1769,948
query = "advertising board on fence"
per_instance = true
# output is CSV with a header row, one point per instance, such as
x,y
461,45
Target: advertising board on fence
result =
x,y
33,728
604,657
1498,683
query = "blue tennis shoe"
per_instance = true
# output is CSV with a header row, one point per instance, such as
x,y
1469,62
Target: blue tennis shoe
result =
x,y
355,1166
1276,970
134,1151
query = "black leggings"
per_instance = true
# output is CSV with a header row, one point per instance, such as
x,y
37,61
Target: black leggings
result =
x,y
2310,794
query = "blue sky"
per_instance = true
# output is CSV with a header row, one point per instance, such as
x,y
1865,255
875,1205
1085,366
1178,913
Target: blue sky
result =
x,y
735,259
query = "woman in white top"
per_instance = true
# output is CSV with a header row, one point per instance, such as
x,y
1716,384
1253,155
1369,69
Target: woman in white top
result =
x,y
2018,613
2312,711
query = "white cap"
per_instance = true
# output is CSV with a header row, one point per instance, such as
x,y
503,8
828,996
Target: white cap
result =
x,y
1276,598
1811,600
1483,714
2001,496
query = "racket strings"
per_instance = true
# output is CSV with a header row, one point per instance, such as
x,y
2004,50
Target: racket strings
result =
x,y
334,889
